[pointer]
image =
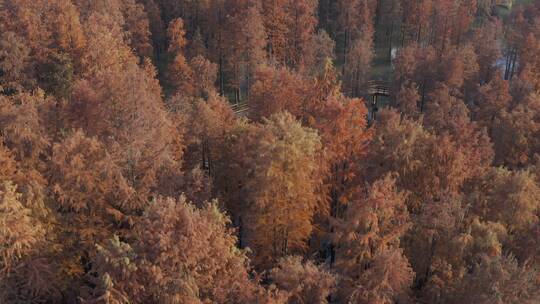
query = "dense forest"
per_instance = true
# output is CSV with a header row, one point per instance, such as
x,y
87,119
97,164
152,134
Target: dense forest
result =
x,y
270,151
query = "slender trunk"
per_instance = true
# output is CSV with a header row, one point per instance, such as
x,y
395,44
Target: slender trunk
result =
x,y
459,33
286,242
423,96
443,46
507,65
274,241
345,45
402,36
203,155
196,18
427,272
378,13
514,60
221,80
297,50
221,77
248,80
237,83
240,232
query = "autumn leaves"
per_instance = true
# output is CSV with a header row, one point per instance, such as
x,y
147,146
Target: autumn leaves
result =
x,y
125,176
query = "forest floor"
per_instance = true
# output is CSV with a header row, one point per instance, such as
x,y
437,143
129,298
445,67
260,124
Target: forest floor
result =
x,y
386,42
382,62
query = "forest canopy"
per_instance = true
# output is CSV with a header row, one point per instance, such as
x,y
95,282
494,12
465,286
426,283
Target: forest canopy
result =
x,y
286,151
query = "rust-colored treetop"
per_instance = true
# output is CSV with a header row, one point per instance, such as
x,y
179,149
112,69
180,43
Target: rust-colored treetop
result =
x,y
284,151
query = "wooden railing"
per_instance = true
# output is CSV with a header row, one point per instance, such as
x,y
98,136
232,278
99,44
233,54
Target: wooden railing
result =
x,y
378,88
240,109
375,88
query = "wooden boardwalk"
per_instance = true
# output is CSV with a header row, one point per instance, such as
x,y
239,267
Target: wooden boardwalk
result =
x,y
240,109
376,88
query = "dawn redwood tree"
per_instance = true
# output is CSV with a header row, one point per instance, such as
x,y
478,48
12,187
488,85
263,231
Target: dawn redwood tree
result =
x,y
369,258
67,28
234,166
343,129
305,282
156,25
500,188
428,165
342,125
320,49
485,42
463,20
137,25
437,233
206,124
244,44
197,45
276,21
356,28
45,26
92,197
28,230
492,99
404,67
179,72
530,67
513,283
301,30
105,46
20,233
451,242
355,18
14,63
23,119
456,68
450,21
21,236
523,40
439,23
277,89
204,77
290,26
9,165
130,18
414,64
179,254
358,63
407,98
447,113
281,193
525,245
204,254
25,151
416,20
120,102
113,274
515,133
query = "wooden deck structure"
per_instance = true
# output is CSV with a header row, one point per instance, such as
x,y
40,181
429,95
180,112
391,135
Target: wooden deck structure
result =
x,y
376,89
